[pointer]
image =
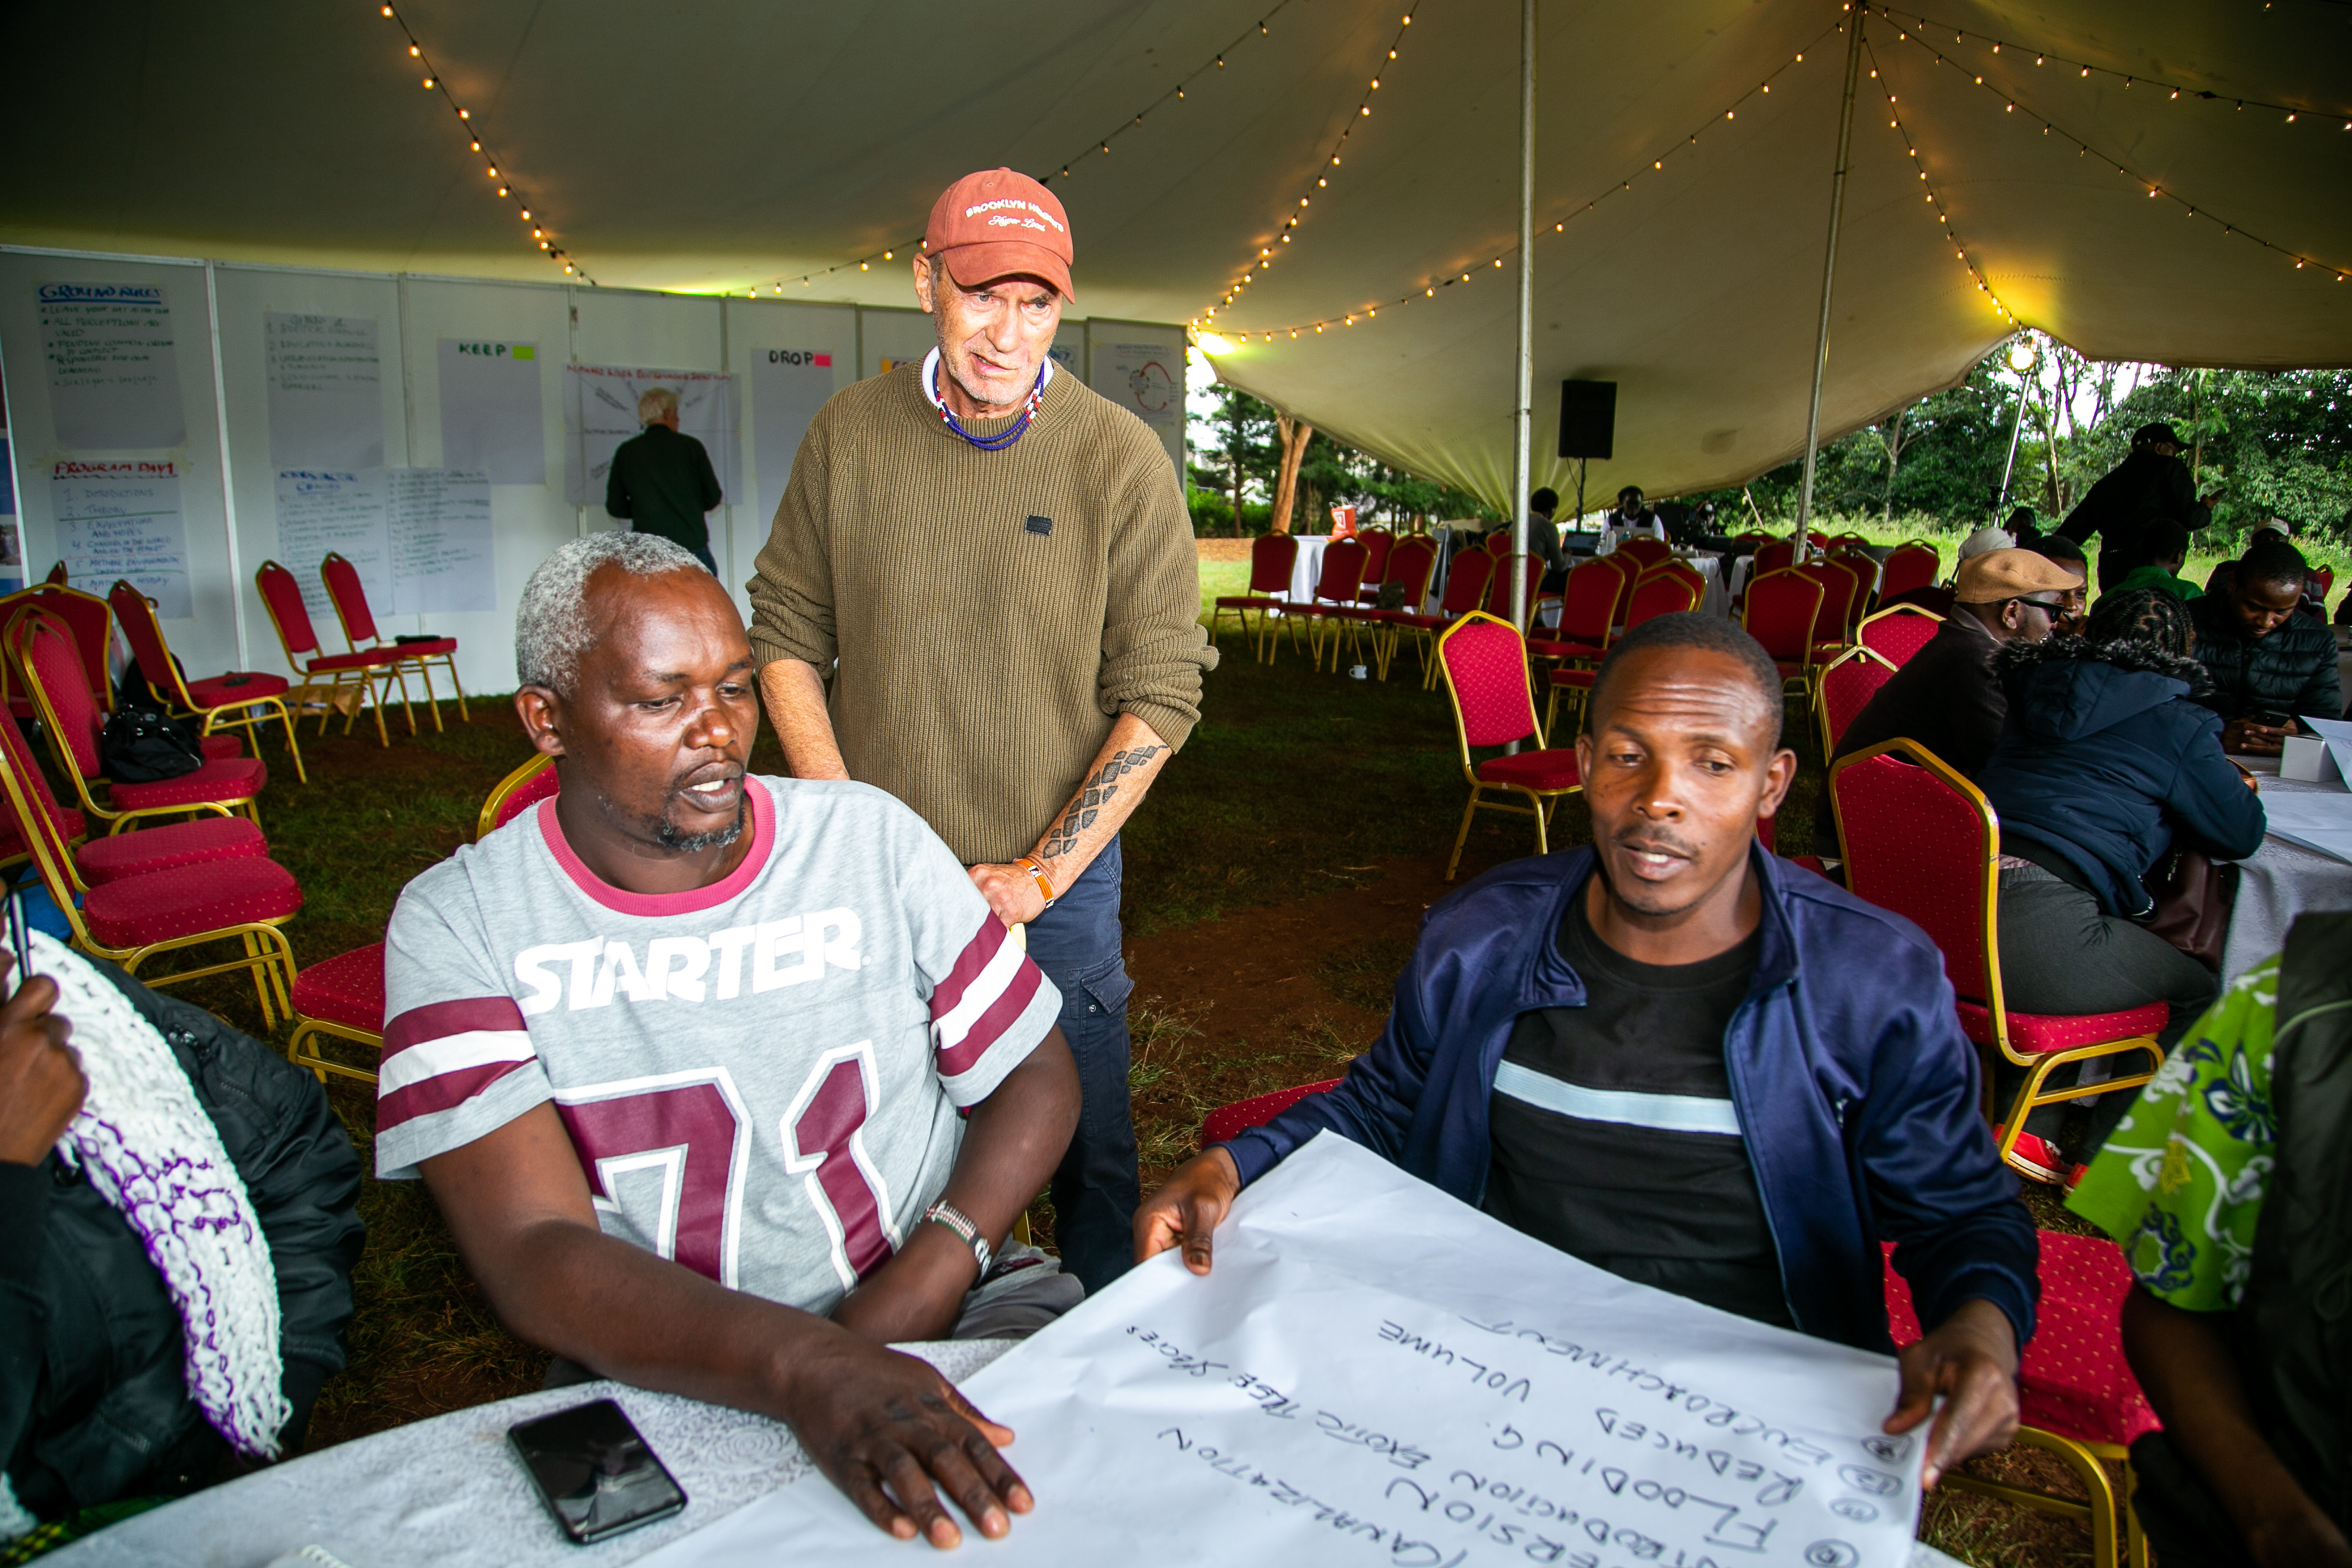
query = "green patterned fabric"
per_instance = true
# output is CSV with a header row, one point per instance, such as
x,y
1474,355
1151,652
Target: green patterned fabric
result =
x,y
2180,1183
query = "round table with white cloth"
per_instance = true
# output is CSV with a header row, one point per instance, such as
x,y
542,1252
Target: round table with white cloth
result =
x,y
1307,567
2279,882
450,1493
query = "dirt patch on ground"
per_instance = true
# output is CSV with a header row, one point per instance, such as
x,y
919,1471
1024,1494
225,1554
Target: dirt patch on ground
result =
x,y
1224,549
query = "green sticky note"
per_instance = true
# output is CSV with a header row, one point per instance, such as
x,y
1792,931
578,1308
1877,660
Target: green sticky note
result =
x,y
525,350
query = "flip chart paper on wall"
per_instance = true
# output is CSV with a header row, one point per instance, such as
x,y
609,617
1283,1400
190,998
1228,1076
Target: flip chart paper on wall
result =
x,y
114,378
122,521
419,539
490,415
788,386
1146,377
321,509
12,530
1377,1374
326,391
600,412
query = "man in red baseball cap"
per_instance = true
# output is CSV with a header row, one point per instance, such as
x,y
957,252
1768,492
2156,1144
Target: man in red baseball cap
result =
x,y
981,595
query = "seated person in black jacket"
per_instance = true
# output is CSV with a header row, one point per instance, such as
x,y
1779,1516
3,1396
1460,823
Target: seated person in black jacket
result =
x,y
2270,666
1945,697
95,1332
2107,762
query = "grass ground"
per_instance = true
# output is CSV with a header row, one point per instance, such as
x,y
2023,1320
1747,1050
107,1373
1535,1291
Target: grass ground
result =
x,y
1275,884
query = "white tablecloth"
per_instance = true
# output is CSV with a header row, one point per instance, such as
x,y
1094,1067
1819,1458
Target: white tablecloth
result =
x,y
2280,882
449,1493
1307,569
1740,569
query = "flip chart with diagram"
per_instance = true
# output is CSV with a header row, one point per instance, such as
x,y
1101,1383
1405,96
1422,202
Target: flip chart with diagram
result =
x,y
1375,1373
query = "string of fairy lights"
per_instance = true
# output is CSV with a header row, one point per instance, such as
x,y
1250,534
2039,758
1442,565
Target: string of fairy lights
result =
x,y
1428,288
1976,274
2154,188
1101,147
1264,259
1911,21
541,233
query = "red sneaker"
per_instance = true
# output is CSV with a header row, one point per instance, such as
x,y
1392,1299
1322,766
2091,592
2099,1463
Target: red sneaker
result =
x,y
2037,1157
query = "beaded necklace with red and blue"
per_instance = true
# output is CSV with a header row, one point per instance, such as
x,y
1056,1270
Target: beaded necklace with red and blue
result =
x,y
996,443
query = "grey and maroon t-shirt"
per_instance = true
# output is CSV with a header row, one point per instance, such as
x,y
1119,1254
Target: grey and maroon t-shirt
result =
x,y
761,1077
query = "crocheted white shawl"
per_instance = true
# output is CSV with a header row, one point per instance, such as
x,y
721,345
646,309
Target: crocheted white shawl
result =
x,y
147,1148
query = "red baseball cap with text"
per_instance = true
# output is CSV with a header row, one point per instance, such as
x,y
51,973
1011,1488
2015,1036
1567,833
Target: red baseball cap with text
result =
x,y
999,223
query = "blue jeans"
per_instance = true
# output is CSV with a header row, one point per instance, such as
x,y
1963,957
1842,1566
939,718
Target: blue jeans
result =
x,y
1095,1191
710,562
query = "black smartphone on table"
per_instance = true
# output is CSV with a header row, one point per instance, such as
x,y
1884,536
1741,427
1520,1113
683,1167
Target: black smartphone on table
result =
x,y
596,1474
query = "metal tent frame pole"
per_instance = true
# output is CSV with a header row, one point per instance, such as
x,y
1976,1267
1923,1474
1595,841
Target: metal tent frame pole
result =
x,y
1523,408
1829,275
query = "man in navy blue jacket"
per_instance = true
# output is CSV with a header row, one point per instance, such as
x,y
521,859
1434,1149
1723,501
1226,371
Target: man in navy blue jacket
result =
x,y
1693,1064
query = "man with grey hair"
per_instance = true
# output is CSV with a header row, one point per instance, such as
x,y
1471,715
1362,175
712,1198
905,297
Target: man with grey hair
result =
x,y
662,481
724,1083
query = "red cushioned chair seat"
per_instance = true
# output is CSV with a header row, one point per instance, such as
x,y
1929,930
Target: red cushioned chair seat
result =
x,y
1823,652
221,748
1244,601
1545,769
364,658
233,778
11,843
347,989
2039,1034
2073,1379
433,650
214,691
169,848
1576,677
1228,1121
1545,649
167,904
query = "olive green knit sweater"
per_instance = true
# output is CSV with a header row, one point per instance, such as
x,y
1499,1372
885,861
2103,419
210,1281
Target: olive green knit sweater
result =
x,y
992,612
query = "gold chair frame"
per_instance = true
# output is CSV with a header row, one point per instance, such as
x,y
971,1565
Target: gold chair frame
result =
x,y
422,663
327,693
178,695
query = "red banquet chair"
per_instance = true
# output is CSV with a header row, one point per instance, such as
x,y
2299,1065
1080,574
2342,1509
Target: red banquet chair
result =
x,y
1497,542
1271,556
1897,632
1921,840
1336,587
1410,565
349,597
42,653
1840,596
1466,588
1229,1121
163,907
1780,612
1677,567
1645,549
2078,1398
240,699
1845,689
1909,566
535,781
1378,543
1499,586
1662,593
1774,556
327,677
92,624
1485,663
1589,602
57,574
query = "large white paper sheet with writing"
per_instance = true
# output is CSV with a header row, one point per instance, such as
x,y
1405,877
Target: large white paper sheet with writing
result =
x,y
419,538
12,530
1377,1374
323,509
2320,820
326,391
2337,733
122,521
490,416
600,412
114,375
1145,375
788,387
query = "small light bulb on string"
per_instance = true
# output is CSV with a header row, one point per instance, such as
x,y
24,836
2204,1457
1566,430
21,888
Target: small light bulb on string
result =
x,y
428,84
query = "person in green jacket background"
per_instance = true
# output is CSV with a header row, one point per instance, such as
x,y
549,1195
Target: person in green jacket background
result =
x,y
2167,543
662,481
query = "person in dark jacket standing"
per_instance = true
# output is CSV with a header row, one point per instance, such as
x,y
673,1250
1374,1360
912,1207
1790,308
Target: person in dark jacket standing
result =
x,y
2105,764
2270,666
1945,697
1691,1063
2152,481
662,481
99,1307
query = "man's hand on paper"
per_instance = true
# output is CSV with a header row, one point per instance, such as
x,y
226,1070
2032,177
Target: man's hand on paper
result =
x,y
41,1085
1187,1211
1971,1360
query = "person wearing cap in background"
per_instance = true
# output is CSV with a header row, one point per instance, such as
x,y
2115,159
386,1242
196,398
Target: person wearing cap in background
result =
x,y
993,568
662,480
1946,696
2152,481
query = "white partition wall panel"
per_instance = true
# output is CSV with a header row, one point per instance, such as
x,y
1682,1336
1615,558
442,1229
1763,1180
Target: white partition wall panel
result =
x,y
789,359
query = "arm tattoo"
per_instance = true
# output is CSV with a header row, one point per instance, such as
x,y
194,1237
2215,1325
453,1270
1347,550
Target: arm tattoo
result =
x,y
1087,804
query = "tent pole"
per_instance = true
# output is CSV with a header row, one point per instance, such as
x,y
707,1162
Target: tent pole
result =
x,y
1523,408
1828,272
2009,468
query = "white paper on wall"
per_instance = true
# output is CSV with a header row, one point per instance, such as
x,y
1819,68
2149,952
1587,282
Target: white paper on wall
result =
x,y
490,416
114,377
437,529
1377,1374
1145,375
326,391
600,412
323,509
12,530
788,387
122,521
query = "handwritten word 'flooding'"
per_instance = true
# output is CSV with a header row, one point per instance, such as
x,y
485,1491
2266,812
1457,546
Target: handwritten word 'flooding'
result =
x,y
1482,1374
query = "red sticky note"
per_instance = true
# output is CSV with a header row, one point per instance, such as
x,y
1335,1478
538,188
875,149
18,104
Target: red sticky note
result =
x,y
826,360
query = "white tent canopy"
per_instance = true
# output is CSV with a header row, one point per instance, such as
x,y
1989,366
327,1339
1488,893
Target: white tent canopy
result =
x,y
730,145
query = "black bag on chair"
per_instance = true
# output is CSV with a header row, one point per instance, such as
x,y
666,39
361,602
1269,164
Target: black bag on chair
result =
x,y
143,744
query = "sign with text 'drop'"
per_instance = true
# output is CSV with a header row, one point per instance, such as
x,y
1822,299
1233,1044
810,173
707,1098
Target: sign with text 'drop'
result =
x,y
788,387
122,521
1376,1374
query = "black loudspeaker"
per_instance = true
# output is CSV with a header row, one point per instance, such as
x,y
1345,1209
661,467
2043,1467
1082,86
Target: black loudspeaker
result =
x,y
1588,419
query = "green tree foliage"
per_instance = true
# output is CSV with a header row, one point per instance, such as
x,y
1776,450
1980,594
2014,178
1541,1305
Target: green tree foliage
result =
x,y
1238,442
2262,445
